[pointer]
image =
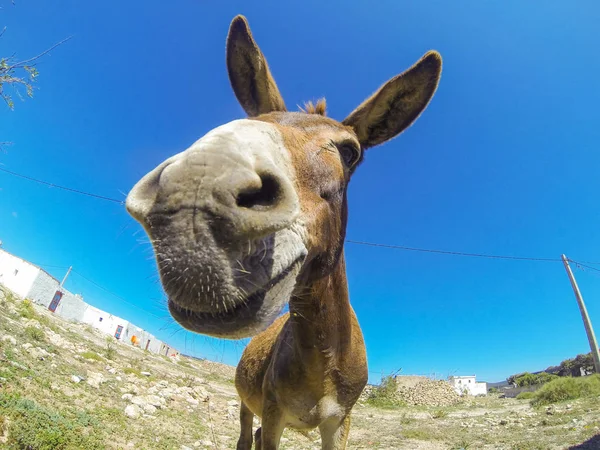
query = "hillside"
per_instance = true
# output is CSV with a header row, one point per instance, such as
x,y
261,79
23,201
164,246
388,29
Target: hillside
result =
x,y
64,386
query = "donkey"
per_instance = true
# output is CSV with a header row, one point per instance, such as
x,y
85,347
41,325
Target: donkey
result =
x,y
252,217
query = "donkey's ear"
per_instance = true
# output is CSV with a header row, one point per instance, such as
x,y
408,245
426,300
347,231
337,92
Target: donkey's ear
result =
x,y
249,73
398,103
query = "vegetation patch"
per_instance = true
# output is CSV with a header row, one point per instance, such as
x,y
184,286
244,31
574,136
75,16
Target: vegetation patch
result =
x,y
384,395
34,427
567,388
27,310
91,355
526,395
35,334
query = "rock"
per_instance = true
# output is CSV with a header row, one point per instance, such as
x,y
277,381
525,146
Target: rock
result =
x,y
146,374
422,391
75,379
133,411
4,427
192,401
140,401
8,338
118,378
18,366
503,422
233,403
155,400
149,409
95,379
26,346
185,447
127,397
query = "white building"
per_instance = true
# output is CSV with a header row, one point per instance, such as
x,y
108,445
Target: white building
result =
x,y
105,322
32,282
467,384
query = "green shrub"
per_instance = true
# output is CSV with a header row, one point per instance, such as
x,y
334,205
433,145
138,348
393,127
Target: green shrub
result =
x,y
525,395
439,414
35,334
92,356
132,371
567,388
35,427
531,379
110,352
384,395
27,310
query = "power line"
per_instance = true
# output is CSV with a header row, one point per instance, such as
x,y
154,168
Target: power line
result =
x,y
77,191
369,244
446,252
577,263
116,295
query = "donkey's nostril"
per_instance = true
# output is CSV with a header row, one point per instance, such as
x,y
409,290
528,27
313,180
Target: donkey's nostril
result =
x,y
263,197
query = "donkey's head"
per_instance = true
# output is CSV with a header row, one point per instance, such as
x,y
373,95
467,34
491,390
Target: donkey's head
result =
x,y
257,207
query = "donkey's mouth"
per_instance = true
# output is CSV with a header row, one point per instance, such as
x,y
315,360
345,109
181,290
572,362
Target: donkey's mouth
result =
x,y
247,316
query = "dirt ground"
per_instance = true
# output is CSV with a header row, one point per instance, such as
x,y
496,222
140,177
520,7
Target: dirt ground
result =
x,y
66,379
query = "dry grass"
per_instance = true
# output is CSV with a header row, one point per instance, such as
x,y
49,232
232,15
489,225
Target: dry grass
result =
x,y
42,408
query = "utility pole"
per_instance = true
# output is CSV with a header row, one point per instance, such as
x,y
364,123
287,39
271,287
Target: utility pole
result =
x,y
65,278
584,315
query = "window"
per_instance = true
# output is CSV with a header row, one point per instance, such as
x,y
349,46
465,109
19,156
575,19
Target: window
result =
x,y
100,319
469,381
119,331
55,301
16,272
147,344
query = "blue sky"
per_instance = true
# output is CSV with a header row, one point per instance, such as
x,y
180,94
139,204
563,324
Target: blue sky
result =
x,y
504,160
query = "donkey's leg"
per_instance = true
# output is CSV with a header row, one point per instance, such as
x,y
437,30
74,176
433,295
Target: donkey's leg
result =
x,y
334,433
246,417
257,441
272,426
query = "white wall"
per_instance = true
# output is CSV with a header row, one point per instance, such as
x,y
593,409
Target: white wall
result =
x,y
16,274
468,384
107,325
71,307
43,289
31,282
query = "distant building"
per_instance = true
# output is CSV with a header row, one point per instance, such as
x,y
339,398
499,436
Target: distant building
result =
x,y
467,384
30,281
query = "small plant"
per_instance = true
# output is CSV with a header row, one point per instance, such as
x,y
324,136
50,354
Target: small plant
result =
x,y
463,444
35,334
132,371
384,395
27,310
110,351
9,296
91,355
439,414
567,388
526,395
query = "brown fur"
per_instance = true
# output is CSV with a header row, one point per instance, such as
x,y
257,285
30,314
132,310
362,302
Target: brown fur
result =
x,y
319,108
309,367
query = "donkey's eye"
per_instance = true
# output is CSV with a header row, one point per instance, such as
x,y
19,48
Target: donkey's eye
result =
x,y
350,153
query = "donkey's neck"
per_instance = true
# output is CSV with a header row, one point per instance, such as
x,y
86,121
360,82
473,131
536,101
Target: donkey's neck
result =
x,y
321,315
